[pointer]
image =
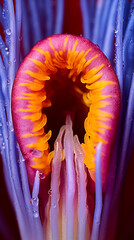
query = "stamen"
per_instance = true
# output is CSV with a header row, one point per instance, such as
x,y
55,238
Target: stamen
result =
x,y
82,192
68,146
55,184
98,190
35,199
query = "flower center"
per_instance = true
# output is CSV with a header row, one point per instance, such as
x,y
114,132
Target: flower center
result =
x,y
64,74
66,98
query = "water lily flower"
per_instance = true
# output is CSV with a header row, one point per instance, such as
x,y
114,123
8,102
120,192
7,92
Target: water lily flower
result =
x,y
66,167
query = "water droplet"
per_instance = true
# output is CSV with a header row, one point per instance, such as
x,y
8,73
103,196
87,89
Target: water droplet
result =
x,y
8,31
115,31
1,124
3,14
53,205
41,175
35,202
9,63
109,65
3,145
50,192
10,125
8,81
116,44
21,159
7,50
35,214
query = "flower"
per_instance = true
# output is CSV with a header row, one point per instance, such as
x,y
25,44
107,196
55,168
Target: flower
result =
x,y
59,202
65,72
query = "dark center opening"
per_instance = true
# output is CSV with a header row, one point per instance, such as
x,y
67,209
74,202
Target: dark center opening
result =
x,y
66,98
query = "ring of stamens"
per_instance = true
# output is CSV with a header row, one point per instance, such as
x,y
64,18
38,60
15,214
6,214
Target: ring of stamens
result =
x,y
97,120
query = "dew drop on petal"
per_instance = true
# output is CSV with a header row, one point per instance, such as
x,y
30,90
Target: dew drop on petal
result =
x,y
53,205
8,81
10,126
35,214
3,14
3,145
41,175
109,65
50,192
35,202
7,50
8,31
115,31
116,44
